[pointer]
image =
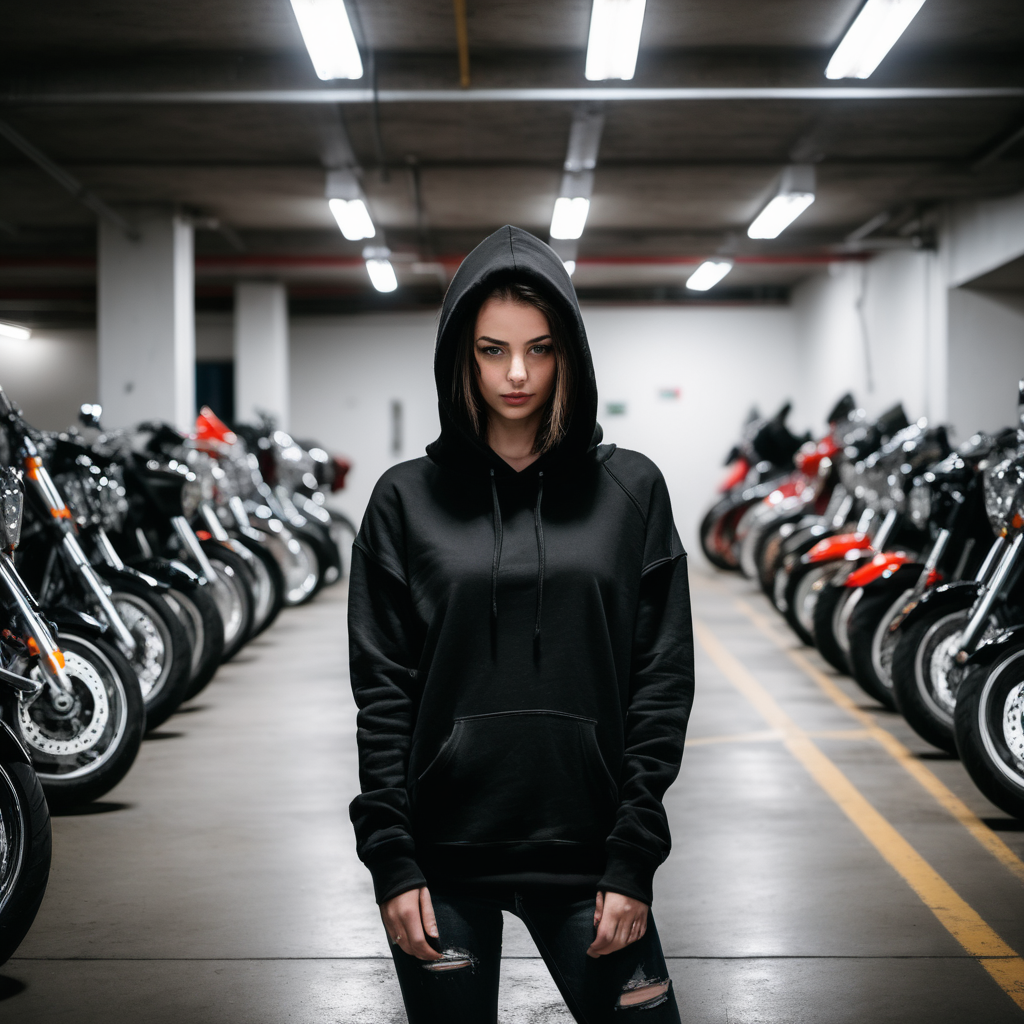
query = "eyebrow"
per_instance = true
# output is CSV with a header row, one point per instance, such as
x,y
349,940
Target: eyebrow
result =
x,y
498,341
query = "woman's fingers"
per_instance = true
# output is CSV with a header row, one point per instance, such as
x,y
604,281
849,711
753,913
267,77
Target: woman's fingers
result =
x,y
403,922
621,922
427,913
598,909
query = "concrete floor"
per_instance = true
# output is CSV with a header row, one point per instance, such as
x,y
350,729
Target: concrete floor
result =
x,y
218,882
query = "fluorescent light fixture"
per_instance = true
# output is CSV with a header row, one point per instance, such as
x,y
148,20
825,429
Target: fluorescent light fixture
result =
x,y
708,274
15,331
378,266
353,218
779,214
569,217
871,36
795,194
327,33
614,39
570,266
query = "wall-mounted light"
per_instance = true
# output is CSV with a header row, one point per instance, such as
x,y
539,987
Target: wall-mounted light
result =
x,y
378,266
14,331
353,218
796,193
328,36
871,36
708,274
615,27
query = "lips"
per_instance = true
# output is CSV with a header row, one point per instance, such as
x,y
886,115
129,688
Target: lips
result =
x,y
516,398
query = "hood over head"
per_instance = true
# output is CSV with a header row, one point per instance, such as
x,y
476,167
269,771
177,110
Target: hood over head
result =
x,y
510,254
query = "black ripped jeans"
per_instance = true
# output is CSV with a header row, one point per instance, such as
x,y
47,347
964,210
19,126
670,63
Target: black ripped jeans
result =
x,y
465,988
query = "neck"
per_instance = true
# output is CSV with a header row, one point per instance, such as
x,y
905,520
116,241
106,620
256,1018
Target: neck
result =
x,y
513,440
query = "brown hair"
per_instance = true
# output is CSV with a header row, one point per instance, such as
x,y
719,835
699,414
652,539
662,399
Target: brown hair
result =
x,y
466,396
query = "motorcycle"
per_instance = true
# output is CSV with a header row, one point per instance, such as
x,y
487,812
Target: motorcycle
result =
x,y
82,717
24,816
759,464
989,712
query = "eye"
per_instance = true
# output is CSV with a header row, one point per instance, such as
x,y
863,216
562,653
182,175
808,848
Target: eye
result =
x,y
491,350
540,350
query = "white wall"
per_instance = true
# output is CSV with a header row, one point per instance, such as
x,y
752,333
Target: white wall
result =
x,y
873,328
986,358
346,371
50,375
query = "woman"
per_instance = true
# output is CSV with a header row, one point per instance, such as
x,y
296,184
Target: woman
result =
x,y
522,658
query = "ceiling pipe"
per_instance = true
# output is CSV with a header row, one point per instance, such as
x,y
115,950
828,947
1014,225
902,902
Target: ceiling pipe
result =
x,y
569,95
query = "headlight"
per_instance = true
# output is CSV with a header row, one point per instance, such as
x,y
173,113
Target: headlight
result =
x,y
191,496
920,504
113,499
12,504
1003,483
79,493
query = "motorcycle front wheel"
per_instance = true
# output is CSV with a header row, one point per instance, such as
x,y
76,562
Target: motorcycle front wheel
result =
x,y
925,675
804,586
197,610
84,752
269,581
24,852
233,592
873,643
989,727
163,654
831,603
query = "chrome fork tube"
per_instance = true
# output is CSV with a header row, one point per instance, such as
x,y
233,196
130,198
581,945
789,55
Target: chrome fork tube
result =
x,y
110,556
99,590
885,530
56,678
991,559
982,609
188,538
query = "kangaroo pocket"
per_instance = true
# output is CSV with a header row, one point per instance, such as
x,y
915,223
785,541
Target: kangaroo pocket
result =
x,y
514,777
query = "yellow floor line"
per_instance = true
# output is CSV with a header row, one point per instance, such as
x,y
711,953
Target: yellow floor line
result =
x,y
773,735
921,774
960,919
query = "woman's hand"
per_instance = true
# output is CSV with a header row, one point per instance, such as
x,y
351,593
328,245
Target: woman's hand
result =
x,y
619,921
409,918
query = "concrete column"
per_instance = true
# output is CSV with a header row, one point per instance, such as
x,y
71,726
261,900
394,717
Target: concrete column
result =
x,y
261,350
146,320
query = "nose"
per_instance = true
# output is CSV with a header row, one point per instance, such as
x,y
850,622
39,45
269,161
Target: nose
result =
x,y
517,369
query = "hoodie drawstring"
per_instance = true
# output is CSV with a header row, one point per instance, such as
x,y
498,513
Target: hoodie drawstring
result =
x,y
540,552
497,547
496,560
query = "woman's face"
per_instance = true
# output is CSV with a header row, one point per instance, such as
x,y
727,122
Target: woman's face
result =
x,y
515,357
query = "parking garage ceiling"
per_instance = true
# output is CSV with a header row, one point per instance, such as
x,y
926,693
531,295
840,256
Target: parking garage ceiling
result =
x,y
213,106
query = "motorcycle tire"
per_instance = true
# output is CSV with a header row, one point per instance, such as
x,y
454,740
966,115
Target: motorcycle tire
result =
x,y
269,584
827,609
24,871
298,564
326,552
716,531
233,592
163,656
199,614
873,644
924,678
989,729
803,588
79,761
769,557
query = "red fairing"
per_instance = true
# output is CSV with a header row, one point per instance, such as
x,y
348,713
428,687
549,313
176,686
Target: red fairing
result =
x,y
809,461
210,427
883,564
832,548
341,468
737,475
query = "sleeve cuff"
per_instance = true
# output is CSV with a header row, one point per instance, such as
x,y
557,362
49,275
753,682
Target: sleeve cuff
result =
x,y
630,872
394,875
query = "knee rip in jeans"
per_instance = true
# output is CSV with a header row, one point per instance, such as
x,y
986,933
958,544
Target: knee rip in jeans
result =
x,y
643,993
452,959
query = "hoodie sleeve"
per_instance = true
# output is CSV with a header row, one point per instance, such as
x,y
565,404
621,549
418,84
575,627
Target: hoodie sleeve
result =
x,y
660,697
382,651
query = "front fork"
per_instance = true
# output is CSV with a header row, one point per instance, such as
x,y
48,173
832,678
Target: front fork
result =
x,y
51,659
983,608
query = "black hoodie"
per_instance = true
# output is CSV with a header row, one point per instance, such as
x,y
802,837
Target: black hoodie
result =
x,y
521,647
